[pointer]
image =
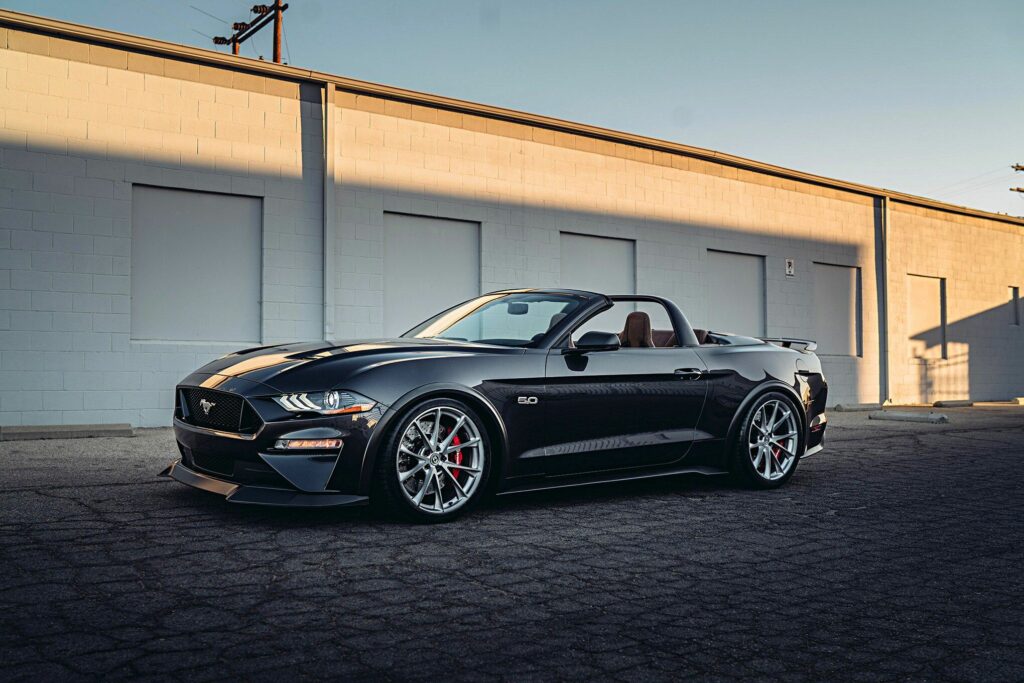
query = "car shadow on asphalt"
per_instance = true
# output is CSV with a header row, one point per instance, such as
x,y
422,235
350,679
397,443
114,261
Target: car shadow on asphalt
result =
x,y
686,485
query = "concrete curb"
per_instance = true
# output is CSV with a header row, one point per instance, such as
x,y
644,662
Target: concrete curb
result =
x,y
32,432
953,404
856,407
895,416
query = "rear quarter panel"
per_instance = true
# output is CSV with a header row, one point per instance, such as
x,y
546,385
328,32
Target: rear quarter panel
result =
x,y
739,372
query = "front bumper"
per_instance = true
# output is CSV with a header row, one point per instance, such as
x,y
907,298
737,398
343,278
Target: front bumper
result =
x,y
259,495
254,468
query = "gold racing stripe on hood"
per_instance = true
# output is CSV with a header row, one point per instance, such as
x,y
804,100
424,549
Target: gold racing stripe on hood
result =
x,y
247,365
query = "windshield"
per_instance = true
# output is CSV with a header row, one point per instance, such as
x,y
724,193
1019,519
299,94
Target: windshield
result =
x,y
501,319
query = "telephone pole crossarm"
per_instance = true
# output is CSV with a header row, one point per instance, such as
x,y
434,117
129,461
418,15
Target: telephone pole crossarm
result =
x,y
245,30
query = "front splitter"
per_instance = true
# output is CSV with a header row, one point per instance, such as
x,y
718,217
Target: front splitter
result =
x,y
259,495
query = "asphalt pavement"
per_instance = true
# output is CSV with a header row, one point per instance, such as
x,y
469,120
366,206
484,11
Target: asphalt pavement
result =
x,y
898,553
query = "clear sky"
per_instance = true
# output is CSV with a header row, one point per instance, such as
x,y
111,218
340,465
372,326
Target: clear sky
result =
x,y
921,96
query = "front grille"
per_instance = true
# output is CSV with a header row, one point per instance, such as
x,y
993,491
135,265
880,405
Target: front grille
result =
x,y
218,410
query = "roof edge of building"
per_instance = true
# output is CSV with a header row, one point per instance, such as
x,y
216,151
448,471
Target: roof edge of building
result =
x,y
29,22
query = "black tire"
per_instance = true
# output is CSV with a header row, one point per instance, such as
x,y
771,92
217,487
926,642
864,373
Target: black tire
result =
x,y
743,452
390,496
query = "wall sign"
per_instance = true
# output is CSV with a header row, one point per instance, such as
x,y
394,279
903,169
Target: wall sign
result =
x,y
790,267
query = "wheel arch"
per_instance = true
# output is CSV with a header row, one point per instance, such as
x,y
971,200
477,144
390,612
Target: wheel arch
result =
x,y
758,392
478,402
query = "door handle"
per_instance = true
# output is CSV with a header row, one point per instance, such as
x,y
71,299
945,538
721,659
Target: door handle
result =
x,y
689,373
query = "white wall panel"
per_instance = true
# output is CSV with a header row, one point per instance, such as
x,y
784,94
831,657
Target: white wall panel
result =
x,y
735,286
430,264
598,264
926,317
837,313
195,266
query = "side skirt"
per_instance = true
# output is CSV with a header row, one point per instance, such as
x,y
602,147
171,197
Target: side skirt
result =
x,y
588,481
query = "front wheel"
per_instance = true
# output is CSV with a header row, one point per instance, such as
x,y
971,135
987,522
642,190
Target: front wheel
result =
x,y
434,464
769,444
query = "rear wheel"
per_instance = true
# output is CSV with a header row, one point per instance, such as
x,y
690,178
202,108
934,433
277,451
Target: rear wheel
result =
x,y
434,464
769,443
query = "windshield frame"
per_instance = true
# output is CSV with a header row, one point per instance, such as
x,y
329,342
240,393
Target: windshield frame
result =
x,y
586,302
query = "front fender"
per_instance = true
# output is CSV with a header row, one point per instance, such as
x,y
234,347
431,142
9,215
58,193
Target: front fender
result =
x,y
467,394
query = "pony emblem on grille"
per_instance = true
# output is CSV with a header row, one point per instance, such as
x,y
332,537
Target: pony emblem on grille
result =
x,y
206,405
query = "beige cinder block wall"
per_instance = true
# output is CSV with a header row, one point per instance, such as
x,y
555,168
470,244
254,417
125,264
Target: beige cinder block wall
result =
x,y
80,124
86,115
524,184
979,260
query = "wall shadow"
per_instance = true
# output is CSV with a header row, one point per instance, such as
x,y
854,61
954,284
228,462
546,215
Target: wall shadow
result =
x,y
984,358
86,369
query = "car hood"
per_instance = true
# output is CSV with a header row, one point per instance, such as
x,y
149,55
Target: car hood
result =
x,y
290,367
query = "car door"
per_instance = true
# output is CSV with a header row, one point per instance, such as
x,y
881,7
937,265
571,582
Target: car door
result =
x,y
626,408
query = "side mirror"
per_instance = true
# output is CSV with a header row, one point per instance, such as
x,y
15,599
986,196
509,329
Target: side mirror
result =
x,y
597,341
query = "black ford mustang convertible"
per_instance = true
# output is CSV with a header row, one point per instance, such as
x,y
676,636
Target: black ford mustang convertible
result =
x,y
512,391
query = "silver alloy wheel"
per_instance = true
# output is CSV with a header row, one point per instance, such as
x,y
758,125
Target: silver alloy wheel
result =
x,y
440,460
772,440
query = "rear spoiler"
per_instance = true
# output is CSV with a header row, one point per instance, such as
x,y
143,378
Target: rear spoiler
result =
x,y
804,345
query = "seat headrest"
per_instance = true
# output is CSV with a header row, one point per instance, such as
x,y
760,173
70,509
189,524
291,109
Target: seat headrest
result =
x,y
637,332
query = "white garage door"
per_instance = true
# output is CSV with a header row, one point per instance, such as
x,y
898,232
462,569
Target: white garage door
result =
x,y
735,286
837,310
195,266
598,264
430,264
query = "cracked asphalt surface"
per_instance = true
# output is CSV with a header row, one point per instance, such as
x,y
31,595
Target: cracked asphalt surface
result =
x,y
896,554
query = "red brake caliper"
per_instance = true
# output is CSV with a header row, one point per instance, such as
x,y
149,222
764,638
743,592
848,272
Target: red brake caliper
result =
x,y
457,459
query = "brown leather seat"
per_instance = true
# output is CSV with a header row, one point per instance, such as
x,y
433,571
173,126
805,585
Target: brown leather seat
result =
x,y
663,338
637,332
702,336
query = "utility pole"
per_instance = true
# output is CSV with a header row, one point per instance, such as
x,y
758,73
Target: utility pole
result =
x,y
278,20
247,29
1019,168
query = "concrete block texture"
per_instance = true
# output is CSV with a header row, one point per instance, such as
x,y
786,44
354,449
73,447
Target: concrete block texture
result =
x,y
524,193
88,122
81,124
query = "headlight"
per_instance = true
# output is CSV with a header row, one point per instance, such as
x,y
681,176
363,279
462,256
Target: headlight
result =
x,y
325,402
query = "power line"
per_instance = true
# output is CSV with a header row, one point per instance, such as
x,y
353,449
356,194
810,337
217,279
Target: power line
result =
x,y
949,186
202,11
978,186
287,50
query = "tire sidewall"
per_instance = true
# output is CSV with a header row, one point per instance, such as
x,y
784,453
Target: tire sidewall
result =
x,y
387,493
742,466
